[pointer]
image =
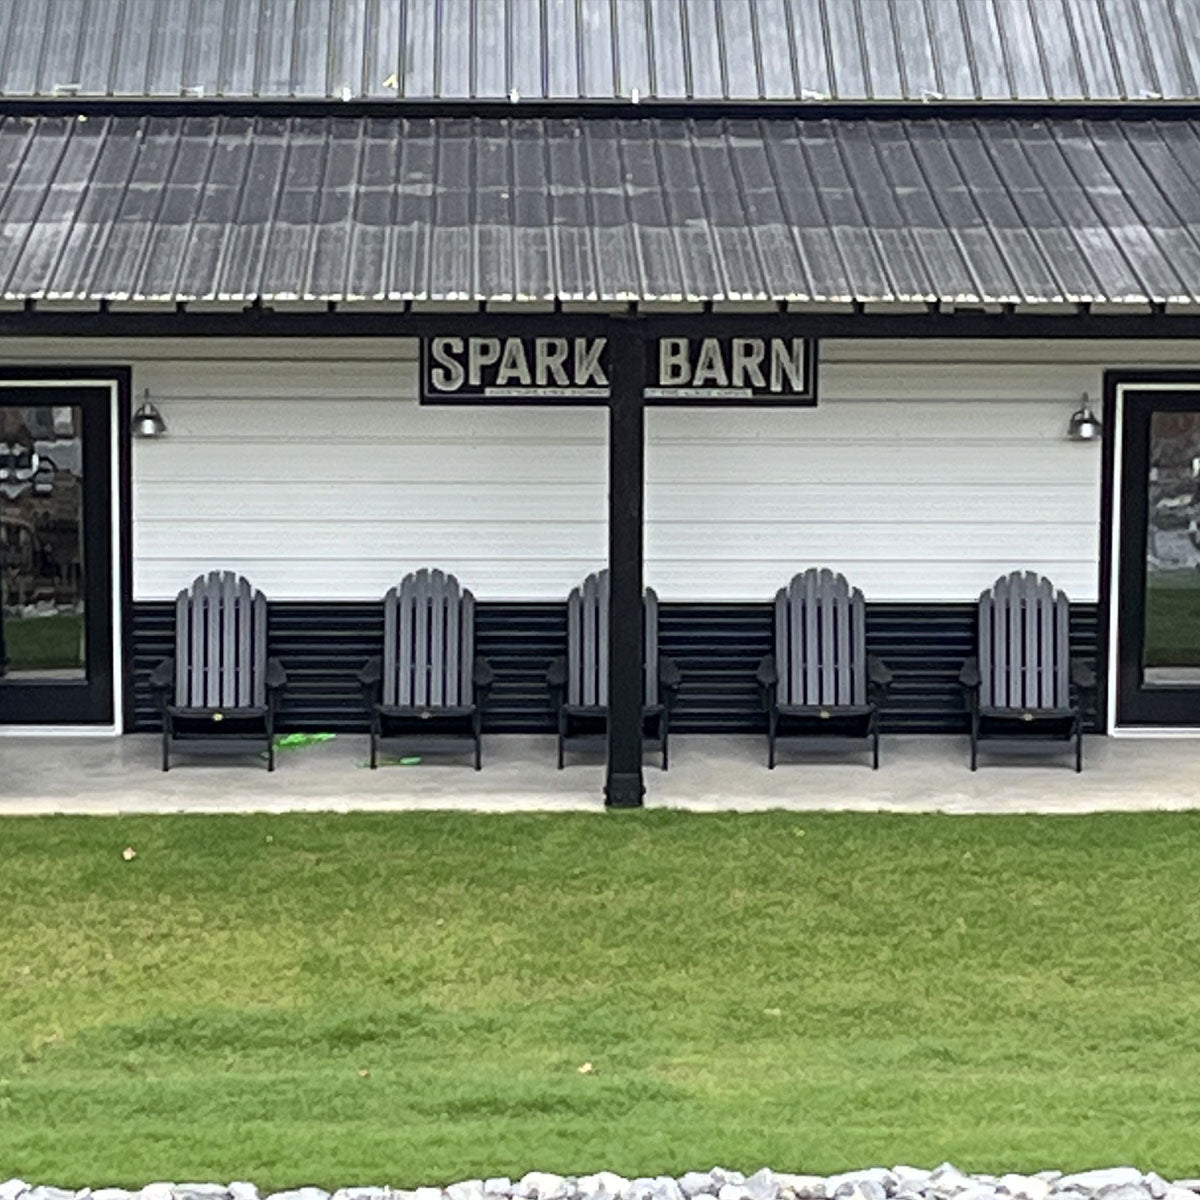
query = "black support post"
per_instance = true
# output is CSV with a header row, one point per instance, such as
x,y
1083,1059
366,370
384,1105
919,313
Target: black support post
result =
x,y
3,649
624,786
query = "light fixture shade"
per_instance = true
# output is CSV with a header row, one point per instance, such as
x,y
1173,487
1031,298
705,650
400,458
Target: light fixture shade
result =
x,y
148,422
1084,425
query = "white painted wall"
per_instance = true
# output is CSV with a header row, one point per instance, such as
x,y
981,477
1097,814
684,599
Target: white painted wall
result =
x,y
928,469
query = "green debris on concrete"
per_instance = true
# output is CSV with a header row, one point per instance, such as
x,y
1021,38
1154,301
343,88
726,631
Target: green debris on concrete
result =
x,y
298,741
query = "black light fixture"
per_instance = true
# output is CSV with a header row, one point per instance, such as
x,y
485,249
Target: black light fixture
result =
x,y
147,421
1084,425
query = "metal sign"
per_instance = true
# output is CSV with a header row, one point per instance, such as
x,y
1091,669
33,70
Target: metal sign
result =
x,y
564,370
485,370
715,370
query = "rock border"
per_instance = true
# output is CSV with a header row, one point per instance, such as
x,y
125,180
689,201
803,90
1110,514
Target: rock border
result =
x,y
945,1182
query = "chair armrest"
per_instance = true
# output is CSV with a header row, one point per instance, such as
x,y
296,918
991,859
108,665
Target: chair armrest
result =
x,y
556,676
162,678
1083,676
482,674
370,679
276,675
878,672
669,676
969,677
767,673
879,679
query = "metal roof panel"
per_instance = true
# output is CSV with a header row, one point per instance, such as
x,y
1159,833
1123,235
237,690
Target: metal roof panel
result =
x,y
177,209
568,50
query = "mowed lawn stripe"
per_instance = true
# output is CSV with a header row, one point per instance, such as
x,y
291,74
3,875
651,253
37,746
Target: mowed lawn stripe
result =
x,y
409,998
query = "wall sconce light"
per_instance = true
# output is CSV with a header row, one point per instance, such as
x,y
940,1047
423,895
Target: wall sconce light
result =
x,y
1084,425
147,421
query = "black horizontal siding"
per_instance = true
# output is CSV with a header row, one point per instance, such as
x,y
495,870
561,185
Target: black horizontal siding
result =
x,y
717,647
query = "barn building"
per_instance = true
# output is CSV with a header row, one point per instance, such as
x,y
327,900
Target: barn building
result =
x,y
705,291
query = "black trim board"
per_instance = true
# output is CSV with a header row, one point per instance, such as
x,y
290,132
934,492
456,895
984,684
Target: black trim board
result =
x,y
255,320
717,647
613,107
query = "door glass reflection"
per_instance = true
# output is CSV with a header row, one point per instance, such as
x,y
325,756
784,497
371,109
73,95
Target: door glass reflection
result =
x,y
1171,654
41,543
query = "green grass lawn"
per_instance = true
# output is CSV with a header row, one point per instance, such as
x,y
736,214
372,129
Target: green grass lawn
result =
x,y
407,998
43,643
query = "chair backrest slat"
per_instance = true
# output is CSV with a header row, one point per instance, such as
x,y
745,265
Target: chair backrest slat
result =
x,y
1024,643
220,644
820,641
587,643
812,657
428,642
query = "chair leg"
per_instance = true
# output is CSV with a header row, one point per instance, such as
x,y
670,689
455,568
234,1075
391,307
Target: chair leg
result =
x,y
1078,747
270,742
875,744
974,742
478,730
772,721
374,748
562,735
665,727
166,744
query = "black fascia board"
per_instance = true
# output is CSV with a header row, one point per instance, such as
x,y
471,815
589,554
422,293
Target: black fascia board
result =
x,y
263,322
715,109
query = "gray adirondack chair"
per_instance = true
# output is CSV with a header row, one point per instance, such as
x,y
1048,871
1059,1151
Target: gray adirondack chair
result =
x,y
1023,682
429,686
578,681
221,682
820,680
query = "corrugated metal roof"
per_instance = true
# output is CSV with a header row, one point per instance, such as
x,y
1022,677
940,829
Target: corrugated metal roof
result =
x,y
783,50
182,209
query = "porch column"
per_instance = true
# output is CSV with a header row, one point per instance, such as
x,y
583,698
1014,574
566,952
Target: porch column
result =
x,y
624,786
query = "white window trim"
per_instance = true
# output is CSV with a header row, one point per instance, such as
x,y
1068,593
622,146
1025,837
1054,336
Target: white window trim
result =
x,y
1114,615
115,434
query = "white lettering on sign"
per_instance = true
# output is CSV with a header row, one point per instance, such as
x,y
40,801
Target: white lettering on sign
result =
x,y
730,368
710,366
481,352
516,367
448,375
587,362
550,355
788,360
748,354
513,367
674,367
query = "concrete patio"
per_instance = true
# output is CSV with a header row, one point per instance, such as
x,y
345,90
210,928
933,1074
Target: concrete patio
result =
x,y
708,774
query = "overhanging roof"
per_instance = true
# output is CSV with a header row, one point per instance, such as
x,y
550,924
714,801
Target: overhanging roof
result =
x,y
245,209
709,50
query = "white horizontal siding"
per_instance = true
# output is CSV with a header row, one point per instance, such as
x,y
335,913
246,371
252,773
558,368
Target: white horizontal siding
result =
x,y
919,482
327,480
927,469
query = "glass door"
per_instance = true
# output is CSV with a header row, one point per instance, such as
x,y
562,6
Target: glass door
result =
x,y
1159,575
56,581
